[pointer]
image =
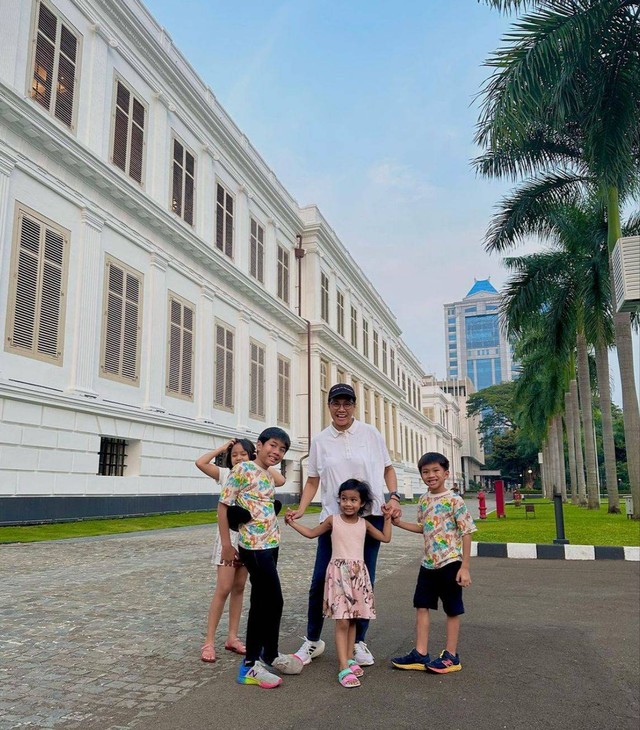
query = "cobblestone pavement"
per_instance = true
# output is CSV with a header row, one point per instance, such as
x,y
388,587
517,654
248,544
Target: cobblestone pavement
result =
x,y
106,632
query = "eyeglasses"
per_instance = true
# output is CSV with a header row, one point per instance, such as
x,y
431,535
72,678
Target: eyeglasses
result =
x,y
342,404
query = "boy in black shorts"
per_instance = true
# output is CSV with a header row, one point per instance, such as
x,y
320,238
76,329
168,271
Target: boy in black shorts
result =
x,y
447,526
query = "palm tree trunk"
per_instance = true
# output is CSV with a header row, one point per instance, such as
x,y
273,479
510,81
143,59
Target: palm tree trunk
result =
x,y
571,446
622,326
562,472
577,432
584,386
604,387
545,467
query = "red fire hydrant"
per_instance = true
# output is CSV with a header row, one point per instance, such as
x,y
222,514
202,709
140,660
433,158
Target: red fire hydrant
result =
x,y
482,505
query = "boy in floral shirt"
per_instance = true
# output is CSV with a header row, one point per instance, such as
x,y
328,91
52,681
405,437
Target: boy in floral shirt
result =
x,y
250,486
447,526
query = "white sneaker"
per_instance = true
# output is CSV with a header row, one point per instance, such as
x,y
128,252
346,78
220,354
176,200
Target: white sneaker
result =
x,y
287,664
258,674
362,655
310,650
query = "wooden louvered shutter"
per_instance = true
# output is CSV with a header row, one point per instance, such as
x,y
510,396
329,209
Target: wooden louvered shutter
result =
x,y
121,127
220,217
180,369
38,300
54,69
224,221
176,196
253,250
137,140
224,368
256,389
122,323
189,185
284,391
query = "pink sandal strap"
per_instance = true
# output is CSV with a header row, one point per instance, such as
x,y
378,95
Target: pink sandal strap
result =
x,y
208,653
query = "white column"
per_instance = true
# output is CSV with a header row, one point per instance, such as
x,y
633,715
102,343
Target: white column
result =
x,y
241,249
7,165
204,355
155,334
206,198
158,168
241,371
271,257
86,336
271,378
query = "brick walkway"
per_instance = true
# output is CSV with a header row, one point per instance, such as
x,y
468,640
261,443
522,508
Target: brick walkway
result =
x,y
105,632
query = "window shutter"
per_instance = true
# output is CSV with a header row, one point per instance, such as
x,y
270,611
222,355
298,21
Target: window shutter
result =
x,y
42,88
224,368
224,221
137,141
180,368
284,397
176,202
38,298
256,389
253,250
190,171
66,76
187,351
121,127
128,133
122,326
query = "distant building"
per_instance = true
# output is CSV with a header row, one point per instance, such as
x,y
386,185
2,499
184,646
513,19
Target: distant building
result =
x,y
477,347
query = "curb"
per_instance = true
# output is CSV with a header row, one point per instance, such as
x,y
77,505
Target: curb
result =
x,y
533,551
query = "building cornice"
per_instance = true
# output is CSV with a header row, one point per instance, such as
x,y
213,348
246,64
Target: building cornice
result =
x,y
29,122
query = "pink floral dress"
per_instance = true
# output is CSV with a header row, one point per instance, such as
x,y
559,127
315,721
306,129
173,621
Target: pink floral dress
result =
x,y
347,588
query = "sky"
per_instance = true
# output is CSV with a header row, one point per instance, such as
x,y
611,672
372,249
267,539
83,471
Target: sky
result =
x,y
367,108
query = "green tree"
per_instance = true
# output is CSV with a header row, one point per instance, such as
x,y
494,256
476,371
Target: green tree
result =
x,y
561,112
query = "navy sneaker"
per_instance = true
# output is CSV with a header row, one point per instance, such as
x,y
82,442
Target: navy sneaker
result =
x,y
413,660
445,663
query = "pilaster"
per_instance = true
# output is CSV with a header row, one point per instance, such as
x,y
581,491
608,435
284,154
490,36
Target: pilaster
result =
x,y
155,333
271,378
242,362
87,309
205,373
241,248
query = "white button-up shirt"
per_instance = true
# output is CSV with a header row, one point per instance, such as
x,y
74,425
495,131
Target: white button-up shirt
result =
x,y
359,452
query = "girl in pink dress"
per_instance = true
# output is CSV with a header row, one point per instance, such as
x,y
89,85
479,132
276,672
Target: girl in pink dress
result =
x,y
348,594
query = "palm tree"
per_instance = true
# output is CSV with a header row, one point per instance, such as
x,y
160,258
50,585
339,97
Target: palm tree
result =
x,y
563,106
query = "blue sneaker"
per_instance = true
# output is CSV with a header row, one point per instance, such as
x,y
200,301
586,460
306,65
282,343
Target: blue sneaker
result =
x,y
445,663
258,674
413,660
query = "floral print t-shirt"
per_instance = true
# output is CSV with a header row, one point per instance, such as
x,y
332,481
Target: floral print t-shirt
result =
x,y
444,519
251,487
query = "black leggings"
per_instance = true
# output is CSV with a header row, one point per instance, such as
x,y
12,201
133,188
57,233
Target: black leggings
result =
x,y
265,604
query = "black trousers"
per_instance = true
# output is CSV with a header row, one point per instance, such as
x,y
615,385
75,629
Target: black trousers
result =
x,y
265,603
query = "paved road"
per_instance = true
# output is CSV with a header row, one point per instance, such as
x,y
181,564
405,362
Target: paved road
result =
x,y
105,633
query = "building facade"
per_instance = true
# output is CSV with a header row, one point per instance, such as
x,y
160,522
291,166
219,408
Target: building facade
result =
x,y
162,291
477,346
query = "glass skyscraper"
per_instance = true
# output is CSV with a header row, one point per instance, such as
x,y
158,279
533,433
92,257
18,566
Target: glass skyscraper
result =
x,y
476,344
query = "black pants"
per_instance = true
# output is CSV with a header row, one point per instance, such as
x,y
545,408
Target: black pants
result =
x,y
315,618
265,603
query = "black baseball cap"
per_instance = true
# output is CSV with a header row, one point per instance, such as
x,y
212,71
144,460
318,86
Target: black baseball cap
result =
x,y
341,390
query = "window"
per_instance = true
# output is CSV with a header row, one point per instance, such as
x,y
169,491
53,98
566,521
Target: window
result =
x,y
471,309
367,404
112,457
354,327
392,363
181,348
256,381
55,62
128,132
324,392
384,356
256,251
224,221
324,297
484,376
376,411
284,391
340,313
482,331
36,311
283,274
122,318
355,384
184,170
341,376
376,348
223,386
497,370
365,337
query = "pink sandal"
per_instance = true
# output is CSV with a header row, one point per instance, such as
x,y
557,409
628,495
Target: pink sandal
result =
x,y
355,668
208,653
348,679
236,646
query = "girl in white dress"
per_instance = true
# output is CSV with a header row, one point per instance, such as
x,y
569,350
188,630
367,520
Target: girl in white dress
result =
x,y
232,576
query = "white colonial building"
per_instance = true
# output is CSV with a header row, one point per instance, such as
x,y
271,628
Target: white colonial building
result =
x,y
162,291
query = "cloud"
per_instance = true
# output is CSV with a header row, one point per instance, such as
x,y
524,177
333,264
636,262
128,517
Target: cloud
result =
x,y
403,179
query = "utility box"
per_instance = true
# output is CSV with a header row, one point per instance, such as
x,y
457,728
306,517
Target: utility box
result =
x,y
628,506
625,260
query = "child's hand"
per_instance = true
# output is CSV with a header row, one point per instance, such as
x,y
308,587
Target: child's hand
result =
x,y
289,516
463,578
395,519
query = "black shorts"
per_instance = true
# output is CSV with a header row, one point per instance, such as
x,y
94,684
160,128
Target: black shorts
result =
x,y
439,583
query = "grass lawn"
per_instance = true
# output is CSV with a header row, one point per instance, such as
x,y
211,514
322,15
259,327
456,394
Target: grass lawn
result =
x,y
91,528
582,526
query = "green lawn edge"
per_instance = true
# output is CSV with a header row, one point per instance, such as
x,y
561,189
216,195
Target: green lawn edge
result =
x,y
582,526
119,526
